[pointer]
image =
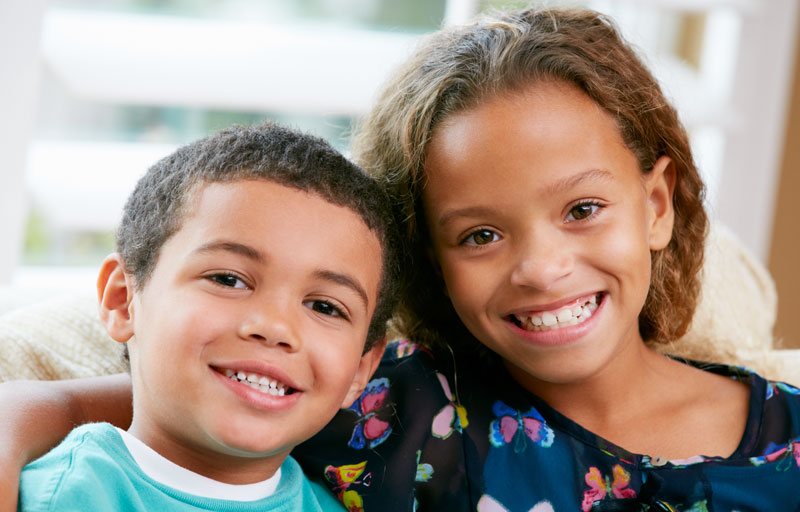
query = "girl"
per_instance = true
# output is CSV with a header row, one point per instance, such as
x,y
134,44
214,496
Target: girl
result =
x,y
554,219
554,216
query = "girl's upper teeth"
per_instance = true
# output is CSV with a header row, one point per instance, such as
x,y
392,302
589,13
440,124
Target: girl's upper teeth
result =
x,y
562,317
258,382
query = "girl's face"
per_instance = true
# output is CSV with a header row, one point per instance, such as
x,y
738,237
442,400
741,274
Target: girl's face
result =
x,y
542,224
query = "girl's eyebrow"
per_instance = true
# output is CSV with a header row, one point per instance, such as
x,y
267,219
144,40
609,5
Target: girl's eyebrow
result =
x,y
576,179
552,189
470,211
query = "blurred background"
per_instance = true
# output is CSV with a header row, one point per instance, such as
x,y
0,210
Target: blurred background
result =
x,y
94,91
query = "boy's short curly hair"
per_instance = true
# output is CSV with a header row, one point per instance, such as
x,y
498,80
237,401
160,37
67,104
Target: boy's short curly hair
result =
x,y
457,68
162,199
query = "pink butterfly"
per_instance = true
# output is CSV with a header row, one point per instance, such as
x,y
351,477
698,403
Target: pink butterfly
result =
x,y
599,487
370,430
513,425
796,452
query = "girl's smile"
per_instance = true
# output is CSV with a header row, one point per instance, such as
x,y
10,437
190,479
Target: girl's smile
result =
x,y
542,224
558,325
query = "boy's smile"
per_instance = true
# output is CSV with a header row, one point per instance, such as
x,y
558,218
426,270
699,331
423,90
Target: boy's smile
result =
x,y
542,224
250,329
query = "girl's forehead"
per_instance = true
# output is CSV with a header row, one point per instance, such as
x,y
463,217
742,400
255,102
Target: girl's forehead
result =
x,y
553,114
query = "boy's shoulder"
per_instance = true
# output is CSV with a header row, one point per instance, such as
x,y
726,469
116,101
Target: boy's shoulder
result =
x,y
93,470
90,461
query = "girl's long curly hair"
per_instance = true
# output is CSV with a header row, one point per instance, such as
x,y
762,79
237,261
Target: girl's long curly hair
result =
x,y
455,69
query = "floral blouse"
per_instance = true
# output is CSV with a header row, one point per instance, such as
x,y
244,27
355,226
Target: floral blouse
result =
x,y
420,439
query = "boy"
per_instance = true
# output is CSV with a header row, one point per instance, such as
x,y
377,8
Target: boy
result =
x,y
252,267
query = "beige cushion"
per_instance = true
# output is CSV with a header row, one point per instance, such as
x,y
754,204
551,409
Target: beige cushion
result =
x,y
57,338
736,313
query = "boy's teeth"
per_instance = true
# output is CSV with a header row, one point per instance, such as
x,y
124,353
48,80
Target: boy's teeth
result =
x,y
548,320
258,382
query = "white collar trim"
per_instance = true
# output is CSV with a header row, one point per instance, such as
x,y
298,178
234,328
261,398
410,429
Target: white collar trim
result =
x,y
168,473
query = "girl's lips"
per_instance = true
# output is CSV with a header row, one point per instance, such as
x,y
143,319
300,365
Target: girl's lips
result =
x,y
546,328
554,306
569,313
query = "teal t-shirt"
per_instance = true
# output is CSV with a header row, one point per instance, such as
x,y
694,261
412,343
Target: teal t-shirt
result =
x,y
92,469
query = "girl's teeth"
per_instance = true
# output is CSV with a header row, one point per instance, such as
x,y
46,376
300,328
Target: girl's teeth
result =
x,y
548,320
565,315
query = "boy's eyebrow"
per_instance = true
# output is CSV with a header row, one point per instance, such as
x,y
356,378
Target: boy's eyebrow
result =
x,y
552,189
234,247
253,254
345,280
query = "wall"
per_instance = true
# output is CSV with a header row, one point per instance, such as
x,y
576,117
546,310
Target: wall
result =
x,y
784,260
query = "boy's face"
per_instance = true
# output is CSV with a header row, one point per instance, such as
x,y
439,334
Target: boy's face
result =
x,y
264,282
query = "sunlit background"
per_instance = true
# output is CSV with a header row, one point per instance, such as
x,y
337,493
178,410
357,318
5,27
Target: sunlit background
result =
x,y
94,91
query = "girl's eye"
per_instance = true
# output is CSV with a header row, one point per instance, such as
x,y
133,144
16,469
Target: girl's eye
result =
x,y
228,281
481,237
325,308
582,211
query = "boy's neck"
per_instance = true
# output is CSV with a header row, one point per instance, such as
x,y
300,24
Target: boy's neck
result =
x,y
230,468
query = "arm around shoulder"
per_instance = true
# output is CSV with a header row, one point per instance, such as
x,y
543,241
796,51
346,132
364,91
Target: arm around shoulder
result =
x,y
37,415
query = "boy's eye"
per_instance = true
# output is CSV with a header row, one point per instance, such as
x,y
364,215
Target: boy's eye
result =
x,y
481,237
325,308
228,280
582,211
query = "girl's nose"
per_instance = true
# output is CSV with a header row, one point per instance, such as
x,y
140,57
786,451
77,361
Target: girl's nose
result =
x,y
271,325
541,263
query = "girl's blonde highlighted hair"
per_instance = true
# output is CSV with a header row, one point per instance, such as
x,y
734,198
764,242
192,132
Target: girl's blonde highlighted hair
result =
x,y
457,68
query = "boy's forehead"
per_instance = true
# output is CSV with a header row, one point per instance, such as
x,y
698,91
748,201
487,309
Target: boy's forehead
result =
x,y
196,191
244,204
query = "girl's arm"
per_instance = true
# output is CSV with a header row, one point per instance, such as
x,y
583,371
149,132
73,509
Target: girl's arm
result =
x,y
37,415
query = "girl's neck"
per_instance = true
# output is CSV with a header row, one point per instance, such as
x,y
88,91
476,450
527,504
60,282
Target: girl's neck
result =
x,y
637,374
628,401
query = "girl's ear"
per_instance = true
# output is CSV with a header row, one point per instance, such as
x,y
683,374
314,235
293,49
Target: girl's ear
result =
x,y
366,367
115,296
660,186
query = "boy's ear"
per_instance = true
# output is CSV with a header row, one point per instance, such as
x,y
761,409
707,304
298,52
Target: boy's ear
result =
x,y
366,367
660,186
115,296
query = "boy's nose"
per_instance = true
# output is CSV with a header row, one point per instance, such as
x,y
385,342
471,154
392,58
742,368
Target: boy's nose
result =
x,y
270,326
542,263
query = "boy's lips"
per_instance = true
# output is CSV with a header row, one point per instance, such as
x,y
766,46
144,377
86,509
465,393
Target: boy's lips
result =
x,y
259,377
